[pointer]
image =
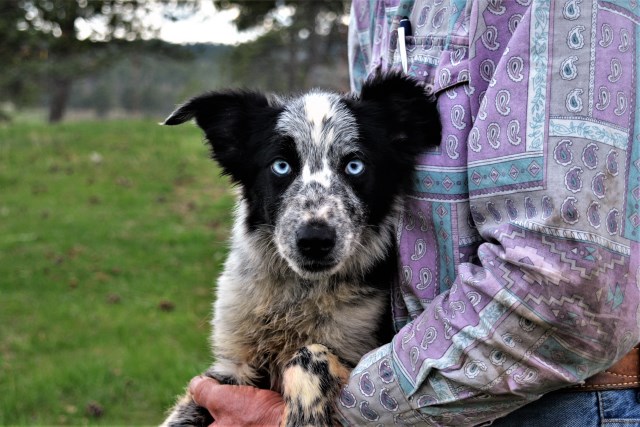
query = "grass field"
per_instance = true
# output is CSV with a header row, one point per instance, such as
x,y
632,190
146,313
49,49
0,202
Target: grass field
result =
x,y
111,236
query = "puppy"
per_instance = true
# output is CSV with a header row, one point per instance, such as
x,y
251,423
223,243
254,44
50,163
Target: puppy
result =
x,y
305,289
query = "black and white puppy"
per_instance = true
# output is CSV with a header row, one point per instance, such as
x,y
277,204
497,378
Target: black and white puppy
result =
x,y
305,289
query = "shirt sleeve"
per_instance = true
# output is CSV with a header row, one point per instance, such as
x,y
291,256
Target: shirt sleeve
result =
x,y
519,246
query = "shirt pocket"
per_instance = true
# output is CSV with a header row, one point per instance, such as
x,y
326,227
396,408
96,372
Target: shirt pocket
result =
x,y
437,61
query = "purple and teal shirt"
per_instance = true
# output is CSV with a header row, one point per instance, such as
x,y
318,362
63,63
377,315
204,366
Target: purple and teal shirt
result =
x,y
520,242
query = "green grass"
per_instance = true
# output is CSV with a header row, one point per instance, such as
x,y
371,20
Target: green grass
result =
x,y
111,236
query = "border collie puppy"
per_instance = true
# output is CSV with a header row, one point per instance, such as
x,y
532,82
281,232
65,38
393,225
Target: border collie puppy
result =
x,y
305,290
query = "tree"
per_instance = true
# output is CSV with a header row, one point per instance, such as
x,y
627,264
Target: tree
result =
x,y
17,49
67,39
300,35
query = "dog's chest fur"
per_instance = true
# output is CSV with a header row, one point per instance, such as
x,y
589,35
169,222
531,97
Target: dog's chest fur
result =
x,y
262,316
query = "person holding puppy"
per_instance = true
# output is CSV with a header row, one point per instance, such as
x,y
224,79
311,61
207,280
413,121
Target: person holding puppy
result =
x,y
519,288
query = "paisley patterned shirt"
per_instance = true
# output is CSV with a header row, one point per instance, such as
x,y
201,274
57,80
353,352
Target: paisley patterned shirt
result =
x,y
520,243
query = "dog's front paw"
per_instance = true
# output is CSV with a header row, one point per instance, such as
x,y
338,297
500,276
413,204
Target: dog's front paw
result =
x,y
311,383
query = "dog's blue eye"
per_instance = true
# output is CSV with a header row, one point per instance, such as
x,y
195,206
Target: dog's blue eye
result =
x,y
355,167
281,167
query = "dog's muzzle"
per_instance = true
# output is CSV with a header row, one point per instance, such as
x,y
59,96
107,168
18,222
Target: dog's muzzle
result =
x,y
315,242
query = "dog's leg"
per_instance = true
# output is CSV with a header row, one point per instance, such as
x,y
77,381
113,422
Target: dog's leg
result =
x,y
187,413
312,381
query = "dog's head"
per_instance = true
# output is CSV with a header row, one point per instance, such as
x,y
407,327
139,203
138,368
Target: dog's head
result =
x,y
320,173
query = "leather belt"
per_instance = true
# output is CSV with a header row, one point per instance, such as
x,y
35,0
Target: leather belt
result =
x,y
624,374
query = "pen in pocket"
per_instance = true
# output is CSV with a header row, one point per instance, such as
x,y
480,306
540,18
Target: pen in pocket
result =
x,y
404,30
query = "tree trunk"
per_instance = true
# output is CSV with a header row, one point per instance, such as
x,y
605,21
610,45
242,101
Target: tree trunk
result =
x,y
59,98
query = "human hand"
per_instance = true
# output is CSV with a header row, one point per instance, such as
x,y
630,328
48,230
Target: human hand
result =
x,y
237,405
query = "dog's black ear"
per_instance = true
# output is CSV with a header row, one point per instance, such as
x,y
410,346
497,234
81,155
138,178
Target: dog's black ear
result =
x,y
217,108
408,113
229,120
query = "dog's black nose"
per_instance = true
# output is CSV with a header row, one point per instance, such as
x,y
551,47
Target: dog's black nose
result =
x,y
315,240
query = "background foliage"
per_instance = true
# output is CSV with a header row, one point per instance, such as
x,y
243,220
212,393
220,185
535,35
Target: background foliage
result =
x,y
302,44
